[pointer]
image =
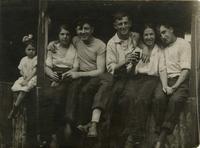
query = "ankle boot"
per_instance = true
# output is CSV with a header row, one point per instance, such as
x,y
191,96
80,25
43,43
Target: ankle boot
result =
x,y
92,132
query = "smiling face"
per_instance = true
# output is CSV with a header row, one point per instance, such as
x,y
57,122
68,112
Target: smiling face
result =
x,y
167,34
122,26
149,37
64,36
30,51
85,32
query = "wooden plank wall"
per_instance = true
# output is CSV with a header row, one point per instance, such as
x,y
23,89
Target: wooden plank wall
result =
x,y
184,135
13,133
6,101
195,81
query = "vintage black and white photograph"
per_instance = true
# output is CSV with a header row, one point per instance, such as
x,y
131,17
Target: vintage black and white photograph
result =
x,y
99,74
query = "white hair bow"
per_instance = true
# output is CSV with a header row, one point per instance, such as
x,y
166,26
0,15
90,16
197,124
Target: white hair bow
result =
x,y
27,38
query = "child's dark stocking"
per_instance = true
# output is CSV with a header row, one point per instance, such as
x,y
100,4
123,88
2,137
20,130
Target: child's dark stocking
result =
x,y
14,110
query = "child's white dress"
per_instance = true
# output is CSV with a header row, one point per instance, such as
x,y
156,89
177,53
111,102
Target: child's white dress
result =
x,y
26,67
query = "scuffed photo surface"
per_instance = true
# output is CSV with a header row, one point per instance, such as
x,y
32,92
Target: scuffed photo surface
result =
x,y
19,18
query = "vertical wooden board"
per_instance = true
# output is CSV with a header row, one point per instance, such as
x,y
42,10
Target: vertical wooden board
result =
x,y
5,106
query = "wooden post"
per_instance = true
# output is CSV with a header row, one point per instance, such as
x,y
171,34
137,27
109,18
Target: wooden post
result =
x,y
42,39
196,58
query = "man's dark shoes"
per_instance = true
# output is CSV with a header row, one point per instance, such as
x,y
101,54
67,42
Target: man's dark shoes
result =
x,y
128,145
92,132
84,128
131,143
53,143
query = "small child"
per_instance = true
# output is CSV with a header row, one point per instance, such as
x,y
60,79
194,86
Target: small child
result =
x,y
27,69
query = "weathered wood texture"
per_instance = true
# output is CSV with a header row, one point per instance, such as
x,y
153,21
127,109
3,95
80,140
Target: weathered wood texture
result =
x,y
185,133
184,136
12,131
195,71
24,125
19,128
16,133
6,100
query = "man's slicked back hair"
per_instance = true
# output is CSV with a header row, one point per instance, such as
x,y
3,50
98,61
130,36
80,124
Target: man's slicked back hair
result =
x,y
119,15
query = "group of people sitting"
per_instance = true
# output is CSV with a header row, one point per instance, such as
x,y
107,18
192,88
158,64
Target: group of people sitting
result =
x,y
89,84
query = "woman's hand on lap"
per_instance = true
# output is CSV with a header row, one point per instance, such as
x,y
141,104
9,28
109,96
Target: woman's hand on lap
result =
x,y
54,76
